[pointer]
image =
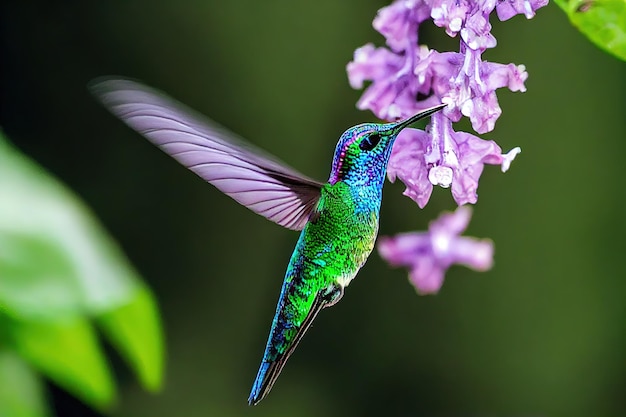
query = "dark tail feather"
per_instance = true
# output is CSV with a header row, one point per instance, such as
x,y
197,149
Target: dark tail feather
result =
x,y
270,370
267,375
260,389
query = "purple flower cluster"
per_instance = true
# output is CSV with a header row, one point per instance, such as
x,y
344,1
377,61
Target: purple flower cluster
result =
x,y
407,77
430,254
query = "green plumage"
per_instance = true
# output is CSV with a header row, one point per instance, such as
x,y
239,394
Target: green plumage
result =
x,y
331,249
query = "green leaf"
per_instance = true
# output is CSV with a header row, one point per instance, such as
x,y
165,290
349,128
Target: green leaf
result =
x,y
135,331
42,220
58,270
602,21
68,353
43,288
21,391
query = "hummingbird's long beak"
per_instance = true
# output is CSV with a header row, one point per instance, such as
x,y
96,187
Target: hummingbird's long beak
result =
x,y
398,126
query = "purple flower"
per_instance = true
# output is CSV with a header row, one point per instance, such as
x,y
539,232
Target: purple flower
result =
x,y
405,78
429,254
455,161
449,15
409,77
392,94
467,84
399,22
506,9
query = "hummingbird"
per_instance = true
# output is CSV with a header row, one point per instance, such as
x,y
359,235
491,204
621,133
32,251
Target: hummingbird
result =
x,y
337,220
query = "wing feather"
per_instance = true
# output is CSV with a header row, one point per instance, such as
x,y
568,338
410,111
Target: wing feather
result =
x,y
250,176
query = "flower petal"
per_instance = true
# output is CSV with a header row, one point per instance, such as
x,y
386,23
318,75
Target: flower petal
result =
x,y
398,22
429,254
407,163
506,9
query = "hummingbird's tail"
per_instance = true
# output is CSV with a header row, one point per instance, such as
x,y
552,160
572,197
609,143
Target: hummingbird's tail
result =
x,y
283,339
258,389
265,378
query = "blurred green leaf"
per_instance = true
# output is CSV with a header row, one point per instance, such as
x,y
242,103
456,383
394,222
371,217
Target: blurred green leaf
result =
x,y
41,221
602,21
36,277
58,271
68,353
135,331
21,391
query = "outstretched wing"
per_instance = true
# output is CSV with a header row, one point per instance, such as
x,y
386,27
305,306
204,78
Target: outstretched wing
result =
x,y
247,174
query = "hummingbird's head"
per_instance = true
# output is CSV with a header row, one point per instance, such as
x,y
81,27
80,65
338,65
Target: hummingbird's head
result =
x,y
363,151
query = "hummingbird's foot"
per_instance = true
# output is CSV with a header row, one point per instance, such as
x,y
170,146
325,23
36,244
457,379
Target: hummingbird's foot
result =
x,y
332,294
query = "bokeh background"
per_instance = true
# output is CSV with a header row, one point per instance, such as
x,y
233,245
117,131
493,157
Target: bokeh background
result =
x,y
541,334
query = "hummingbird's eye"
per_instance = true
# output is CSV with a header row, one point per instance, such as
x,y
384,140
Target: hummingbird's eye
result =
x,y
368,143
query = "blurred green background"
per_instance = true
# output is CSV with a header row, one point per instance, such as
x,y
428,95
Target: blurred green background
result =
x,y
541,334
